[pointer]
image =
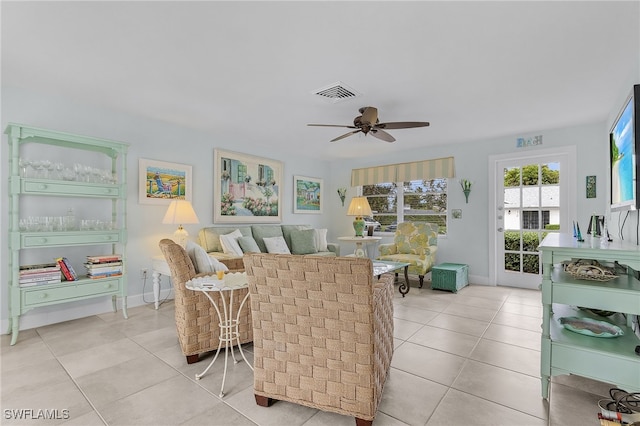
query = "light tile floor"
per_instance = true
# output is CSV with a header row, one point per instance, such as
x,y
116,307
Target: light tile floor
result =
x,y
471,358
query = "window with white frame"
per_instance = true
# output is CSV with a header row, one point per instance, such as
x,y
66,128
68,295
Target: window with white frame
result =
x,y
411,201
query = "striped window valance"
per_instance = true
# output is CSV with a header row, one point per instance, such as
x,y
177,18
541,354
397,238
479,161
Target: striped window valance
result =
x,y
402,172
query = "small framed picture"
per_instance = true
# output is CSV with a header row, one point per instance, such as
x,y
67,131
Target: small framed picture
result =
x,y
307,195
456,213
161,182
591,187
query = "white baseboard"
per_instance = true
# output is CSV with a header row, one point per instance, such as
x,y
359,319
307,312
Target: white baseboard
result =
x,y
54,314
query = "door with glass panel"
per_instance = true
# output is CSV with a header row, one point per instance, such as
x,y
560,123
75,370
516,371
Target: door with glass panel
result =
x,y
531,202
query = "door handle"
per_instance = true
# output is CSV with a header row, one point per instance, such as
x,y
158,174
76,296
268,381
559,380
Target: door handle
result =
x,y
500,229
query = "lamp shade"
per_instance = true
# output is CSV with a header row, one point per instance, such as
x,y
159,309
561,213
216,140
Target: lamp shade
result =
x,y
180,212
359,207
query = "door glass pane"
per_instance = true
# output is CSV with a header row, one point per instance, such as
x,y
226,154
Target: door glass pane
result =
x,y
512,219
531,263
511,177
550,174
512,262
530,175
531,196
511,197
530,241
551,196
512,240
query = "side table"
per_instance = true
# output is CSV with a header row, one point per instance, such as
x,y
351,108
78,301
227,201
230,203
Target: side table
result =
x,y
361,244
159,267
228,323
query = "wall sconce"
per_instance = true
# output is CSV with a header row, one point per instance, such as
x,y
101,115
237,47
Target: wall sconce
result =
x,y
341,193
466,188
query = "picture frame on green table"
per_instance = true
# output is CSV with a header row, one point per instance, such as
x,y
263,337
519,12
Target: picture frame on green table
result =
x,y
160,182
307,195
246,188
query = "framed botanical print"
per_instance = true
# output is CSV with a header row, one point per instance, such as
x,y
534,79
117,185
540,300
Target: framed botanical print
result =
x,y
161,182
246,188
307,195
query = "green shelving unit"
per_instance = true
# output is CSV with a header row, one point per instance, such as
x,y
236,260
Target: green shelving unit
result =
x,y
23,299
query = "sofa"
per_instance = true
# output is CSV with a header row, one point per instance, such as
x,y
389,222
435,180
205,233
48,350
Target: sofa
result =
x,y
322,332
299,239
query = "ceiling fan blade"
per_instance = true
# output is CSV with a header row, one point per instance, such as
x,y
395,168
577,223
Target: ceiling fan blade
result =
x,y
369,115
346,135
333,125
381,134
402,124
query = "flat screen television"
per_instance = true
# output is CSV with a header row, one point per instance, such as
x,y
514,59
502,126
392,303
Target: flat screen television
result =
x,y
624,147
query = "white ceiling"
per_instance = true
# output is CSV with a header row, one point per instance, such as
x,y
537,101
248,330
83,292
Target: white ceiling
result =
x,y
475,70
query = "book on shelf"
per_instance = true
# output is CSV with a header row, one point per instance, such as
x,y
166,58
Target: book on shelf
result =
x,y
102,265
43,276
34,283
103,270
104,258
105,275
38,268
66,268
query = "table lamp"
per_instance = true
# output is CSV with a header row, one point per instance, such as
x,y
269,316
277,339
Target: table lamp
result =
x,y
180,212
359,207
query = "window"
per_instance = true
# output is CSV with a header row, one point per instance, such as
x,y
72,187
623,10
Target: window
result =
x,y
530,219
416,200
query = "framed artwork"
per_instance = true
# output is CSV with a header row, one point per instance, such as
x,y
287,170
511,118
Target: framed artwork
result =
x,y
307,195
456,213
591,187
160,182
246,188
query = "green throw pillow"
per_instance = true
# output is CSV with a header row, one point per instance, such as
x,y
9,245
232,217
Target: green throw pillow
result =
x,y
248,245
303,241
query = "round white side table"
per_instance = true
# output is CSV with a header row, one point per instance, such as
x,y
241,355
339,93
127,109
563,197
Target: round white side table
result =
x,y
228,323
361,244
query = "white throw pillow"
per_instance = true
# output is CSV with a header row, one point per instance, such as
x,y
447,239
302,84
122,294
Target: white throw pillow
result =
x,y
276,245
321,240
201,259
229,243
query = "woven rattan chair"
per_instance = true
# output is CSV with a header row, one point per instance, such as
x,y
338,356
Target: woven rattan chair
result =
x,y
196,318
322,330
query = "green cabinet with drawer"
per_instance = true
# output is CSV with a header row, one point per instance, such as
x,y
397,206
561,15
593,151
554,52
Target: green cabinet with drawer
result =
x,y
112,239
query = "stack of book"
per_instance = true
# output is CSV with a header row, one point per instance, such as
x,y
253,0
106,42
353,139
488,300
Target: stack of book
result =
x,y
109,265
44,273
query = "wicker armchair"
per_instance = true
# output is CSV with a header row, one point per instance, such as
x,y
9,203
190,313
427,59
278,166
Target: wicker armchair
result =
x,y
196,318
323,332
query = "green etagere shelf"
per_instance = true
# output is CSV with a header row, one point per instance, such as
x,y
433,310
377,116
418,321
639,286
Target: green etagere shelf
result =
x,y
23,299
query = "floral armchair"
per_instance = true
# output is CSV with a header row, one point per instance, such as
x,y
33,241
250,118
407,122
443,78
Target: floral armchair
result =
x,y
415,243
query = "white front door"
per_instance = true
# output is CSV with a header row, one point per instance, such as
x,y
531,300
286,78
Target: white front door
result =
x,y
531,199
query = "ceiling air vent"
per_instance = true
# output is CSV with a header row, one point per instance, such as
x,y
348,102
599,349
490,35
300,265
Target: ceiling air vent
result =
x,y
336,92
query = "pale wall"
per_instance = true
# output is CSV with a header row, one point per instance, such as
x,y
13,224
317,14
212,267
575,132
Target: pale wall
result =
x,y
467,239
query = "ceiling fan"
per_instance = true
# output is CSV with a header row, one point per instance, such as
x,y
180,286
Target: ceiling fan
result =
x,y
368,122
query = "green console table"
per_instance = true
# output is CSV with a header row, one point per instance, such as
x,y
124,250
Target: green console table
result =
x,y
610,360
37,188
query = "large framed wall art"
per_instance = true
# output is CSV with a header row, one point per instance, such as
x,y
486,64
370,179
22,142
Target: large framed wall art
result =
x,y
246,188
307,195
160,182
